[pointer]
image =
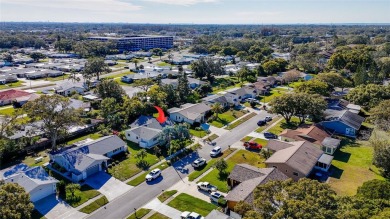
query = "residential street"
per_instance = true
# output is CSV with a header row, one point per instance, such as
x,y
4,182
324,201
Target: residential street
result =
x,y
124,205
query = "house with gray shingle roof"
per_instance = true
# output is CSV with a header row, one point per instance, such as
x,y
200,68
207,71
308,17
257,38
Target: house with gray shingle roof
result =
x,y
245,178
89,157
297,159
34,180
215,98
67,88
145,131
189,113
342,122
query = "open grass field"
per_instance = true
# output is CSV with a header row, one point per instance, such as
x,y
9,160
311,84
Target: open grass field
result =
x,y
185,202
227,117
351,167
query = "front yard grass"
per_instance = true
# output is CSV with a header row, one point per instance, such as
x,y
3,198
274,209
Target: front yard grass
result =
x,y
11,85
119,75
7,111
239,122
272,94
58,78
261,141
198,133
163,64
351,167
139,213
241,156
185,202
98,203
282,125
141,178
246,138
165,195
227,117
83,195
127,166
212,137
158,216
196,173
92,136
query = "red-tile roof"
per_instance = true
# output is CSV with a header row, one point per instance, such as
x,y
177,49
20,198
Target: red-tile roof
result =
x,y
12,94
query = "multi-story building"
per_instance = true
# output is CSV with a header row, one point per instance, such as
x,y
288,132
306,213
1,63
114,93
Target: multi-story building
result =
x,y
136,43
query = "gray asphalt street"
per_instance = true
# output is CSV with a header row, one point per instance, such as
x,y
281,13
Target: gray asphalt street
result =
x,y
145,192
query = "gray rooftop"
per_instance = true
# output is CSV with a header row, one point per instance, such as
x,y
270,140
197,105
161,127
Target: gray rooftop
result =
x,y
146,132
331,142
191,111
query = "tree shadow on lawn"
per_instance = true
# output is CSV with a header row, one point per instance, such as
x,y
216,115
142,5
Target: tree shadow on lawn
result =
x,y
143,164
335,172
291,125
222,121
222,176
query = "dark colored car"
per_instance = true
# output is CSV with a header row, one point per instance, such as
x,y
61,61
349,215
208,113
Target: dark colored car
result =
x,y
261,122
270,135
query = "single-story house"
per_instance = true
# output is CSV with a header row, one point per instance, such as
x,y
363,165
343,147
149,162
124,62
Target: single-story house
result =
x,y
192,82
34,180
261,87
245,178
145,131
341,104
88,158
313,134
236,95
189,113
67,88
8,96
271,80
215,98
20,101
297,159
342,122
133,77
8,78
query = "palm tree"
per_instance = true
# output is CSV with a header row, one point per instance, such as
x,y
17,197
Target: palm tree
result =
x,y
136,61
141,154
217,108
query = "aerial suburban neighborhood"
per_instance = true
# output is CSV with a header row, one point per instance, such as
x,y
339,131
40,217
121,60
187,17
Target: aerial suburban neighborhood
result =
x,y
159,116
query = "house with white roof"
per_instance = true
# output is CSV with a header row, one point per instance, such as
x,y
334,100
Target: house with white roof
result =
x,y
189,113
34,180
67,88
88,158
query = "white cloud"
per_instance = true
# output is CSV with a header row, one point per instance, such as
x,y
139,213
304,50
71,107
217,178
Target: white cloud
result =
x,y
182,2
93,5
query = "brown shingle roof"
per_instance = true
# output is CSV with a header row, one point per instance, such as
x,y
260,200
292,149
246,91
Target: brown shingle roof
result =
x,y
12,94
312,134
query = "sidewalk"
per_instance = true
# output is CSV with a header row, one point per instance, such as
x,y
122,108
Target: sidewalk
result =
x,y
162,208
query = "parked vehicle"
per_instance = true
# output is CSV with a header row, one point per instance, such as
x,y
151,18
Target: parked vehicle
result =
x,y
190,215
252,145
215,196
216,151
199,162
270,135
268,118
261,122
206,186
154,174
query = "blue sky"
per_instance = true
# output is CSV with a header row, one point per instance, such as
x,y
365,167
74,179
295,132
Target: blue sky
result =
x,y
198,11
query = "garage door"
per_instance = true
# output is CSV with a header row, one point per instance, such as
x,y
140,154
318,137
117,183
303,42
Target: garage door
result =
x,y
93,170
41,192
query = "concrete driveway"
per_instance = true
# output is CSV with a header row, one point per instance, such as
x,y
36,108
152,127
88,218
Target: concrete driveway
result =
x,y
53,208
108,185
164,209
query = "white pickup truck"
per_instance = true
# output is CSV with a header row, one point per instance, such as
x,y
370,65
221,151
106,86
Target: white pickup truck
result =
x,y
205,186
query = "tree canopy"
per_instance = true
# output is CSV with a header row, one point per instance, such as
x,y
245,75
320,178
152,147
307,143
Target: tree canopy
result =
x,y
110,88
313,87
14,202
368,96
95,67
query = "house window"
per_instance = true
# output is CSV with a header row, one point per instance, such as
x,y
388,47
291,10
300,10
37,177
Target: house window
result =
x,y
295,173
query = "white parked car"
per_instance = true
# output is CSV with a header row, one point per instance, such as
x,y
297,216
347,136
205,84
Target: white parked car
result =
x,y
268,118
206,186
215,196
216,151
199,162
154,174
191,215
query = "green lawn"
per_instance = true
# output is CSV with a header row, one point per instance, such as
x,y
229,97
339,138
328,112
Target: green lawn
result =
x,y
227,117
119,75
11,85
158,216
212,137
185,202
195,174
200,134
139,213
58,78
351,167
239,122
221,84
167,194
242,156
262,128
246,138
261,141
30,160
98,203
83,195
141,178
8,110
92,136
163,64
273,93
282,125
127,167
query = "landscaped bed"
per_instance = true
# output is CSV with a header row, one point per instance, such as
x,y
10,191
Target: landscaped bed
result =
x,y
185,202
241,156
98,203
227,117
